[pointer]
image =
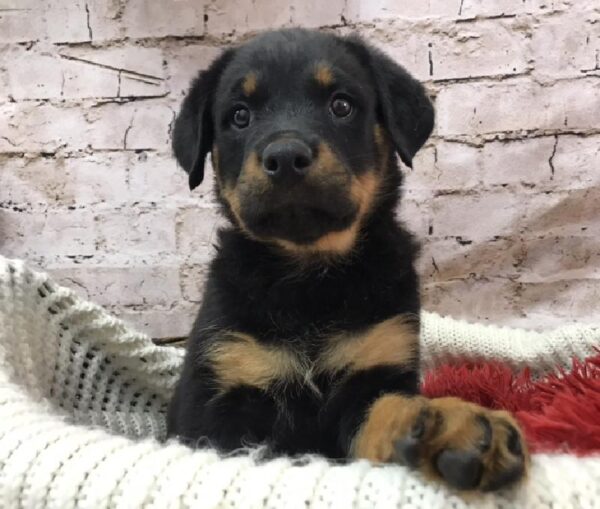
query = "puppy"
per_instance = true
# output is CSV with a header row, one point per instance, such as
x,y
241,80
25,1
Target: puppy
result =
x,y
307,339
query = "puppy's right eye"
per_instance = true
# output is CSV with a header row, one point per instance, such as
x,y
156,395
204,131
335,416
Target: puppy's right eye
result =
x,y
241,117
341,106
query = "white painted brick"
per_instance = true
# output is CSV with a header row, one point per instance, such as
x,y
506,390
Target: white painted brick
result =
x,y
67,21
77,73
474,8
566,46
457,259
184,63
80,73
550,259
157,177
197,232
65,181
125,285
136,232
415,214
458,166
452,51
408,48
131,126
33,20
193,279
146,18
20,21
469,108
32,75
30,126
52,233
137,71
45,127
540,306
577,162
477,217
82,80
422,178
147,61
362,10
472,299
161,323
247,16
575,212
316,13
551,304
522,162
486,48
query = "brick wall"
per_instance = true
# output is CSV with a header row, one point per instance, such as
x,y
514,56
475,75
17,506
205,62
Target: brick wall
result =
x,y
505,196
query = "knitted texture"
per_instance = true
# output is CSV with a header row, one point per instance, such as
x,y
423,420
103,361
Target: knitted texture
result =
x,y
82,420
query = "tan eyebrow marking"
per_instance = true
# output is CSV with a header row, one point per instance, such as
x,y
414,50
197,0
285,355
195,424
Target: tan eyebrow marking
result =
x,y
249,84
323,74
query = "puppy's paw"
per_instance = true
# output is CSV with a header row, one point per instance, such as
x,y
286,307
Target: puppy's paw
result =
x,y
465,445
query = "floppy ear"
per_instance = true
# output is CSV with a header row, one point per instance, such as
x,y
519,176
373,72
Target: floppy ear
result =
x,y
403,105
194,131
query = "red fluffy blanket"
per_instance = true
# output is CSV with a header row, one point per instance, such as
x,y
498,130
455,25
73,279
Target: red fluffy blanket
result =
x,y
559,412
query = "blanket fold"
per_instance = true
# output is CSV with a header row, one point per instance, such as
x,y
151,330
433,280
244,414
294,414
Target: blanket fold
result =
x,y
82,419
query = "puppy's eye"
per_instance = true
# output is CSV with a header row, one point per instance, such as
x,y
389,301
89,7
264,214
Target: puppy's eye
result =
x,y
241,117
341,106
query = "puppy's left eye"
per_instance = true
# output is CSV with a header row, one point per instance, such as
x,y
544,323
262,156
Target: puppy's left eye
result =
x,y
341,106
241,117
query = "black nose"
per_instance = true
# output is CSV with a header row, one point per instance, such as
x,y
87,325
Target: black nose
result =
x,y
287,158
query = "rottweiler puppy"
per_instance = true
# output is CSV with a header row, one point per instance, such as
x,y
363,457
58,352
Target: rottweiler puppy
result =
x,y
307,339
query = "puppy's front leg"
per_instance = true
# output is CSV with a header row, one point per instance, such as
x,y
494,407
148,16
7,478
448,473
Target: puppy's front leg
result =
x,y
228,419
378,415
223,395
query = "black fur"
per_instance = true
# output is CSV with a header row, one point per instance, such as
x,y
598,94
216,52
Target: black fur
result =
x,y
255,288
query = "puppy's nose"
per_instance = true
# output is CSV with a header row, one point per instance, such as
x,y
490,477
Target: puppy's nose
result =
x,y
287,158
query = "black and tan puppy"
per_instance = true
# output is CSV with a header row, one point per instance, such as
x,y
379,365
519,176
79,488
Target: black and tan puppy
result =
x,y
307,339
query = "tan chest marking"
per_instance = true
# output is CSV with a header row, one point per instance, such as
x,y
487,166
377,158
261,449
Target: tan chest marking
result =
x,y
240,359
393,342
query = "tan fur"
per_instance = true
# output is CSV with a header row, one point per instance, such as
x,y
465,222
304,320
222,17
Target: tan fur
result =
x,y
252,178
329,170
392,342
252,174
363,190
379,135
390,418
323,74
233,201
450,423
382,143
215,159
249,84
327,167
239,359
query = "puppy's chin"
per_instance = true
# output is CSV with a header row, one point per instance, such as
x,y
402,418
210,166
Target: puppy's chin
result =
x,y
299,224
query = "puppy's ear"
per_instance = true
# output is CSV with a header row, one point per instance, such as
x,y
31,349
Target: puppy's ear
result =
x,y
194,130
403,105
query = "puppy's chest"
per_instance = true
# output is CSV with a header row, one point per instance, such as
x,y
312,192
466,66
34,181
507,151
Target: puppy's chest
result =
x,y
242,359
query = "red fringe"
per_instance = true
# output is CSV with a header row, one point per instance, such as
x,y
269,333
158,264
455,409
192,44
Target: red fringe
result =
x,y
560,412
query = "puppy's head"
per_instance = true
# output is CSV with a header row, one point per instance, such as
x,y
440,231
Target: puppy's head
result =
x,y
302,127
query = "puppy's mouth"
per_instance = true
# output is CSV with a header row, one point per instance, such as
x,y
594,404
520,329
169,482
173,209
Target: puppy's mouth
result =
x,y
299,219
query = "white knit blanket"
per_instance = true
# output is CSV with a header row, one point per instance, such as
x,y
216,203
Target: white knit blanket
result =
x,y
82,419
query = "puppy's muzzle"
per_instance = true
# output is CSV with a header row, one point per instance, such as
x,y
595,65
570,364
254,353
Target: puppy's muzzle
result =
x,y
287,160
